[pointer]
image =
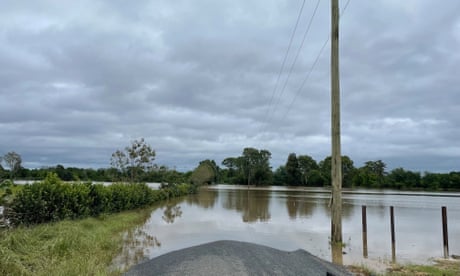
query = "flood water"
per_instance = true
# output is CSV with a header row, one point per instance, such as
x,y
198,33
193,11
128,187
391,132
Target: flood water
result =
x,y
289,219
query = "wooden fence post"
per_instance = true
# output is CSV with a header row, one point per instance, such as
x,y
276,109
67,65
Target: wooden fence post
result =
x,y
445,237
364,220
393,239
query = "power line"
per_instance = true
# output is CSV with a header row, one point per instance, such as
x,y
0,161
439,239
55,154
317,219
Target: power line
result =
x,y
310,71
311,68
305,79
297,54
284,61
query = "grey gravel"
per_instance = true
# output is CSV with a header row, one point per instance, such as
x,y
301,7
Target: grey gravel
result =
x,y
236,258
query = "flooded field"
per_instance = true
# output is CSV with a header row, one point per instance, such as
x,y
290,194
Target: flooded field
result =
x,y
289,219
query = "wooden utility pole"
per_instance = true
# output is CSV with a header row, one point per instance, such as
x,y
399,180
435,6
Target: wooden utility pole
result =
x,y
336,160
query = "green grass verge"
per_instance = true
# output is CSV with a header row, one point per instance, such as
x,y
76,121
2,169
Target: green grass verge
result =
x,y
440,268
70,247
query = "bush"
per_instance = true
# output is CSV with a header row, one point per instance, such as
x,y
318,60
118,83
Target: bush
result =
x,y
54,200
101,199
6,183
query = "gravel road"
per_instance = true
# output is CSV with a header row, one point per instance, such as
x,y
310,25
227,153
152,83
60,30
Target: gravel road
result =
x,y
236,258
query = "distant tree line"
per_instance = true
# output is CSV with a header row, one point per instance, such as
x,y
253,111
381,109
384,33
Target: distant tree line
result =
x,y
160,174
252,167
303,170
132,164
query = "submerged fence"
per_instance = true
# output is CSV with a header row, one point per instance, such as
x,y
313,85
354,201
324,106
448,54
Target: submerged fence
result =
x,y
445,236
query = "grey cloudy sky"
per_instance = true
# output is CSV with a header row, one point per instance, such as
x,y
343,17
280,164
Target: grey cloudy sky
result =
x,y
196,79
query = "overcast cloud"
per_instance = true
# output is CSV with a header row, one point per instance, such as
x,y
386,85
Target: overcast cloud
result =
x,y
80,79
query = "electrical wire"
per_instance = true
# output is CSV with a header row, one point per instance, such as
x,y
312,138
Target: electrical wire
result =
x,y
311,68
284,61
297,55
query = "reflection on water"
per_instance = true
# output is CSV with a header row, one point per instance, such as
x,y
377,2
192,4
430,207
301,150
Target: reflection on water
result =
x,y
298,207
253,205
137,242
171,212
289,219
203,199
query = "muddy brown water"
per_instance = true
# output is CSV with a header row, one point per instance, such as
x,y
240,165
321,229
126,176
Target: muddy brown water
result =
x,y
293,218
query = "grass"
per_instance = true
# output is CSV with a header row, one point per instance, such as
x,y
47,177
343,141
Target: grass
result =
x,y
77,247
440,268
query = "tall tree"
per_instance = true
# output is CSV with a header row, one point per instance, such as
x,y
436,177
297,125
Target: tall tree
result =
x,y
13,161
400,178
372,174
203,174
307,166
214,168
348,170
292,170
279,176
134,159
255,165
234,171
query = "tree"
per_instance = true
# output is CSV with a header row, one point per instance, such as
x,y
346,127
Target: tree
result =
x,y
234,172
307,166
315,178
63,173
203,174
256,166
252,167
135,159
348,170
372,174
213,166
13,161
292,170
279,176
404,179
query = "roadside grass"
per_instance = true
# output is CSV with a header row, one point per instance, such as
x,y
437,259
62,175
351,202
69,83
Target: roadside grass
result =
x,y
69,247
439,268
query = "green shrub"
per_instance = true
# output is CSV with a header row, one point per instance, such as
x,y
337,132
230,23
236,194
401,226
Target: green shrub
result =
x,y
101,199
54,200
6,183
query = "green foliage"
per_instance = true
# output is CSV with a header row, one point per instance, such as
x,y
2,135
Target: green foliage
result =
x,y
315,178
348,171
293,175
233,173
307,166
371,175
402,179
54,200
203,174
6,184
77,247
50,200
8,191
439,268
252,167
300,170
101,199
134,160
13,161
280,176
256,166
